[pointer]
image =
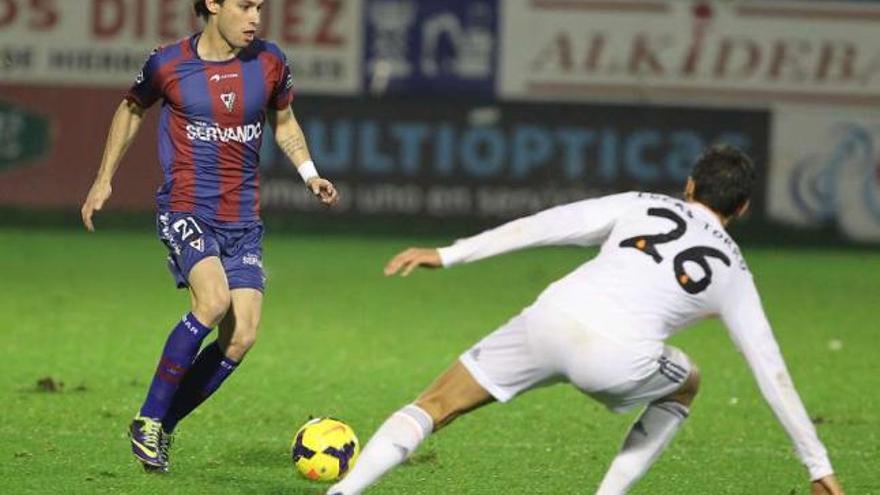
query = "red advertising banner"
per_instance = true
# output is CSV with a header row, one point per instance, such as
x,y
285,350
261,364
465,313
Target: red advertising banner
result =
x,y
76,122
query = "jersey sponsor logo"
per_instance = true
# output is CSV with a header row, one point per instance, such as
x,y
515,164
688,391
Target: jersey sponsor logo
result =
x,y
223,77
228,100
212,132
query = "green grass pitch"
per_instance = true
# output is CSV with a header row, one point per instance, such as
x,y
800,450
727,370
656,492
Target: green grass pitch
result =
x,y
337,338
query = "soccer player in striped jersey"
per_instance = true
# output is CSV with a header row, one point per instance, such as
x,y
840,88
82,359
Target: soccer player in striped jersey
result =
x,y
217,89
664,264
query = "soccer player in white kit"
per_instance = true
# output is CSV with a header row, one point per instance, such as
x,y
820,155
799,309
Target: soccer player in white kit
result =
x,y
663,265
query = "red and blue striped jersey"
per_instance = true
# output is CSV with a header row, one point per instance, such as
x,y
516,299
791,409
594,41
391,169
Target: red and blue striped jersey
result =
x,y
211,125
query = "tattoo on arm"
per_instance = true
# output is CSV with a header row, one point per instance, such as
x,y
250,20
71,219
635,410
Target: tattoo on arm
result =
x,y
289,136
292,145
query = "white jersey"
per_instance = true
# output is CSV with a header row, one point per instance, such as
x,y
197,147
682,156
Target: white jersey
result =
x,y
663,264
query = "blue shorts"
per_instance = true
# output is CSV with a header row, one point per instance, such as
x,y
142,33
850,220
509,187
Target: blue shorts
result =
x,y
190,239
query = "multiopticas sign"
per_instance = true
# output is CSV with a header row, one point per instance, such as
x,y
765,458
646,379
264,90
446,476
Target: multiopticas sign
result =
x,y
517,153
456,158
787,51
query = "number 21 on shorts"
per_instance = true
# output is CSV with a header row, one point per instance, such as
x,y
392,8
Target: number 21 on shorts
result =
x,y
186,227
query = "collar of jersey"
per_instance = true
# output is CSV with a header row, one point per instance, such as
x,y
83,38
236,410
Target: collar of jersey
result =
x,y
194,46
706,213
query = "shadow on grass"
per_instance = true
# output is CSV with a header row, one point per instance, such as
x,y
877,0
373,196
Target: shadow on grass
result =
x,y
276,483
262,455
428,457
234,469
218,482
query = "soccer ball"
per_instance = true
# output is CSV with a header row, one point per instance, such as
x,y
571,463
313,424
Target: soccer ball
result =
x,y
324,449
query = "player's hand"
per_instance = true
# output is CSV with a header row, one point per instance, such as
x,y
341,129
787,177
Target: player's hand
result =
x,y
323,190
408,260
826,486
98,195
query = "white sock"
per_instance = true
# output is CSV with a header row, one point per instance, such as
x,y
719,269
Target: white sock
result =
x,y
392,443
644,443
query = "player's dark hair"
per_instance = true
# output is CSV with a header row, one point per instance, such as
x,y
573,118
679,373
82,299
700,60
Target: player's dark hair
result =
x,y
202,9
724,177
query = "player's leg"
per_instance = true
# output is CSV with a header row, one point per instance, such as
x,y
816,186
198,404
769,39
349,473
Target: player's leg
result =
x,y
210,301
502,365
217,360
453,394
656,426
241,257
237,338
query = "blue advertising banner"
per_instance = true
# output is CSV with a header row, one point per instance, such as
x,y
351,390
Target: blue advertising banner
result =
x,y
454,159
430,47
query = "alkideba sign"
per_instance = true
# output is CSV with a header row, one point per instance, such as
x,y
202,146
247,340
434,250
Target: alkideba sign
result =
x,y
453,158
744,52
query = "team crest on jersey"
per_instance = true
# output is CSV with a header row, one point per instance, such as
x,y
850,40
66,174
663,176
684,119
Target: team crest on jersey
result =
x,y
198,245
228,100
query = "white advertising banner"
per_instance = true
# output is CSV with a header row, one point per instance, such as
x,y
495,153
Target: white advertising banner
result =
x,y
748,52
105,42
825,169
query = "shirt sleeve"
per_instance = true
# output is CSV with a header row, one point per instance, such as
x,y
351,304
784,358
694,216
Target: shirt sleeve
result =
x,y
750,331
282,94
147,88
583,223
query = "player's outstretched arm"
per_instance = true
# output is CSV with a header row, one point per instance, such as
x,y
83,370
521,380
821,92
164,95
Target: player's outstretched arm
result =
x,y
408,260
290,138
747,323
124,127
827,486
581,223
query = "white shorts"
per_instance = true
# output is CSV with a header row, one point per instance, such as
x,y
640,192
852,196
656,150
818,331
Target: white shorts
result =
x,y
542,345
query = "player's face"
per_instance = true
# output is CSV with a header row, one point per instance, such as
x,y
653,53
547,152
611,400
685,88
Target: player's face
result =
x,y
239,21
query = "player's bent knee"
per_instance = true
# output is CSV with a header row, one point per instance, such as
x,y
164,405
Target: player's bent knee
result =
x,y
688,391
247,328
692,384
213,306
